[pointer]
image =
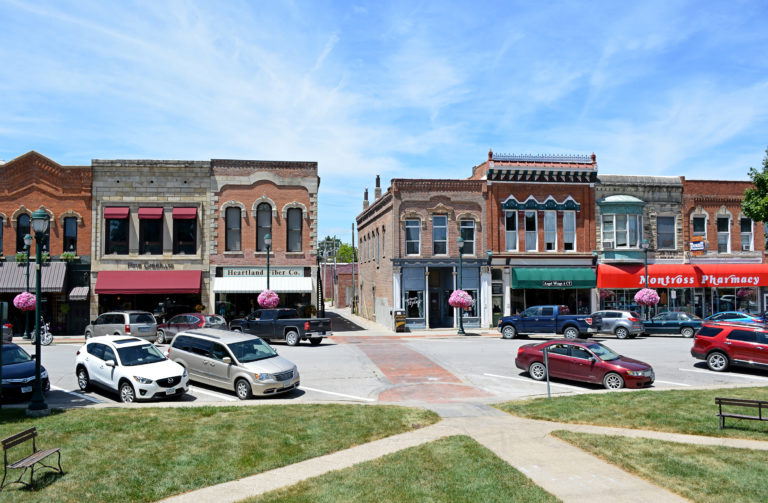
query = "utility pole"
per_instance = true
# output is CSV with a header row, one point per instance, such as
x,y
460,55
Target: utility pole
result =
x,y
354,263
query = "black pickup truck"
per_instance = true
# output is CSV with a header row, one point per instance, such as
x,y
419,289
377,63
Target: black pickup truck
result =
x,y
283,324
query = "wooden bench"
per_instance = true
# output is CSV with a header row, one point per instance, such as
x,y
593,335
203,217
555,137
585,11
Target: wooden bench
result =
x,y
760,405
28,462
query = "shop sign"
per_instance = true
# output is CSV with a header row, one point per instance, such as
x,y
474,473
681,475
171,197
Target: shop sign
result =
x,y
556,283
149,266
683,276
706,280
697,245
274,272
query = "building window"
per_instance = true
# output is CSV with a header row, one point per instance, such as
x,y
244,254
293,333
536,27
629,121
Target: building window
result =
x,y
151,236
746,234
412,237
550,231
665,233
569,230
116,240
70,235
723,235
439,235
184,236
531,231
1,236
232,238
263,225
510,230
22,229
294,229
467,231
414,303
700,226
472,311
623,231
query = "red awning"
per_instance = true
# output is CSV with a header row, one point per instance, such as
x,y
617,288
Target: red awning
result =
x,y
132,282
682,275
151,213
116,212
185,213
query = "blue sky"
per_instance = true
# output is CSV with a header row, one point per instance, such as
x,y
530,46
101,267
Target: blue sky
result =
x,y
400,89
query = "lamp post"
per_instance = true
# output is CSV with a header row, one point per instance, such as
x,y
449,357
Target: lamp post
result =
x,y
644,246
460,243
27,248
37,406
268,243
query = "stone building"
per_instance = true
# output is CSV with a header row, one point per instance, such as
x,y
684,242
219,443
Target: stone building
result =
x,y
30,182
253,200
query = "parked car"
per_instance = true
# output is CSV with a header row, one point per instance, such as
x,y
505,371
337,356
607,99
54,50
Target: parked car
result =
x,y
673,322
233,361
186,321
19,372
7,332
132,367
136,323
582,360
546,320
725,343
735,316
621,323
283,324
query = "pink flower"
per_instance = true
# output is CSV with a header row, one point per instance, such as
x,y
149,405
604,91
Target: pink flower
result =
x,y
647,297
25,301
460,299
268,299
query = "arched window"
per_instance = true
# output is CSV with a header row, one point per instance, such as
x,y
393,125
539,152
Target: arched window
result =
x,y
294,229
232,217
22,229
263,225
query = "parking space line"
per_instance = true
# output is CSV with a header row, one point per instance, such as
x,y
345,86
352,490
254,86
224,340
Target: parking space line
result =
x,y
78,394
716,374
670,382
339,394
533,380
211,393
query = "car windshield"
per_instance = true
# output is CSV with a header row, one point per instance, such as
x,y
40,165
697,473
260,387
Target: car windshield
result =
x,y
250,351
602,352
13,355
140,355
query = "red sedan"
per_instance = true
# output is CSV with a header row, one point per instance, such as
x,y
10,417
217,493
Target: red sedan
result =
x,y
582,360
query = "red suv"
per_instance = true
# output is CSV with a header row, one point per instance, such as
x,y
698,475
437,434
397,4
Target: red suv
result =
x,y
723,344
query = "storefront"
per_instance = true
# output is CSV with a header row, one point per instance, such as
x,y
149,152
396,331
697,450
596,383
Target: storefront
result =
x,y
236,289
13,281
701,289
569,286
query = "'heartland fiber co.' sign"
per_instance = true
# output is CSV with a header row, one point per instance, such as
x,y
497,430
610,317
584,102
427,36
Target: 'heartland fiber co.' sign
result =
x,y
274,272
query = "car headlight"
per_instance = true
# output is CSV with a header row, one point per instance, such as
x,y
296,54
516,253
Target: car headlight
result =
x,y
184,374
638,373
142,380
264,377
44,374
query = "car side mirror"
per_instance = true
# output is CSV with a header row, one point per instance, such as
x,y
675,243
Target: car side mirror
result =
x,y
592,359
109,363
227,360
93,322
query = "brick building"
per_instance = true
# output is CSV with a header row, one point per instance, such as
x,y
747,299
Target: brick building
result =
x,y
30,182
339,281
251,200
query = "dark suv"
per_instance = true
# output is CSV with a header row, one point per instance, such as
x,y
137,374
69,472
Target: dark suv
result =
x,y
723,344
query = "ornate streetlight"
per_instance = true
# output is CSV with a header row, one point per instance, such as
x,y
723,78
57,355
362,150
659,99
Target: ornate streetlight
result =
x,y
460,242
268,244
644,245
27,248
37,406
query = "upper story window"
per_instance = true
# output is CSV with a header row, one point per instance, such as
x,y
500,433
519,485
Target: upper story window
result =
x,y
699,226
116,236
665,233
377,247
747,243
263,225
531,231
1,235
412,237
151,236
569,230
439,235
70,235
621,231
510,230
467,231
550,230
22,229
185,231
233,235
294,229
723,234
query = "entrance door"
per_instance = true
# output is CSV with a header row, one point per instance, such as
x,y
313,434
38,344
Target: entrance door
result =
x,y
434,308
698,303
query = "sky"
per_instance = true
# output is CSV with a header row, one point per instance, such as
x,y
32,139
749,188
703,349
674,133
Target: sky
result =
x,y
402,89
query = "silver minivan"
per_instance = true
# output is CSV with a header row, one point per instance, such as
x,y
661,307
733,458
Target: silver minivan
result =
x,y
136,323
234,361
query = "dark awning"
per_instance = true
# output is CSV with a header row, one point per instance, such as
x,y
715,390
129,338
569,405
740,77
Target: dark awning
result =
x,y
116,212
13,277
553,277
133,282
185,213
151,213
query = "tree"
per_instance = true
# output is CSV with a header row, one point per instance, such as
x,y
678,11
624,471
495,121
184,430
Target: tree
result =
x,y
755,203
347,253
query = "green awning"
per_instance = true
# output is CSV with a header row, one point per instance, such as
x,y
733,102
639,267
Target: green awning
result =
x,y
553,277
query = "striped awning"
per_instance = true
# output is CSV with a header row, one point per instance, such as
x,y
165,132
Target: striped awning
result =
x,y
13,277
247,284
79,293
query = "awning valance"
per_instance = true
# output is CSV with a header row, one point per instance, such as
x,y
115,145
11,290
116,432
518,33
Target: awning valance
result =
x,y
185,213
553,277
116,212
13,277
151,213
683,275
135,282
79,293
259,284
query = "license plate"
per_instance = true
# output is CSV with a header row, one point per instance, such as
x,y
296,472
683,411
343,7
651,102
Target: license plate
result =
x,y
26,389
145,329
171,392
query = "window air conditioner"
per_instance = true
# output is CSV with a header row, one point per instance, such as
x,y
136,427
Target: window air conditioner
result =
x,y
607,245
746,248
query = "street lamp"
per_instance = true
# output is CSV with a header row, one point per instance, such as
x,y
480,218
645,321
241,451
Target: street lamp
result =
x,y
460,242
27,248
268,244
644,246
37,406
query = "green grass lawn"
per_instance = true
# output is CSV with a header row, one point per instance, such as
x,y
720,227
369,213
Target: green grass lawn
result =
x,y
699,473
679,411
455,469
144,454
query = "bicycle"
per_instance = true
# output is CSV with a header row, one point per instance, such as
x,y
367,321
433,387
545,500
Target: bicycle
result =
x,y
46,337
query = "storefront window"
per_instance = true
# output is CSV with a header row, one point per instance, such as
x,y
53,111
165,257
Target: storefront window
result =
x,y
550,231
414,303
531,231
665,233
472,311
467,228
723,235
746,234
569,230
510,233
439,235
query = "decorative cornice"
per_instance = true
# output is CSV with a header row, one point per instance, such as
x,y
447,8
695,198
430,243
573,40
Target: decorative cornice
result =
x,y
511,203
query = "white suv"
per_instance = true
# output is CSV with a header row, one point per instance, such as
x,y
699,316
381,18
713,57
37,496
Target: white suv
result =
x,y
133,367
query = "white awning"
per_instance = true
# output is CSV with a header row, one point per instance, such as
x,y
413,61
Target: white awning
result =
x,y
255,285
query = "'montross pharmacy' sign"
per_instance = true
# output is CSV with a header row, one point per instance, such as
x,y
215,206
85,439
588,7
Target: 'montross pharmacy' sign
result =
x,y
683,275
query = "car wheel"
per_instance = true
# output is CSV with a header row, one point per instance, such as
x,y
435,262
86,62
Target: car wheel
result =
x,y
83,381
315,341
127,393
160,337
717,361
508,332
622,333
537,371
88,334
613,380
571,333
243,389
687,332
292,338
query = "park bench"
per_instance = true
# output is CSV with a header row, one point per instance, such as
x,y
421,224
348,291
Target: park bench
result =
x,y
760,405
28,462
